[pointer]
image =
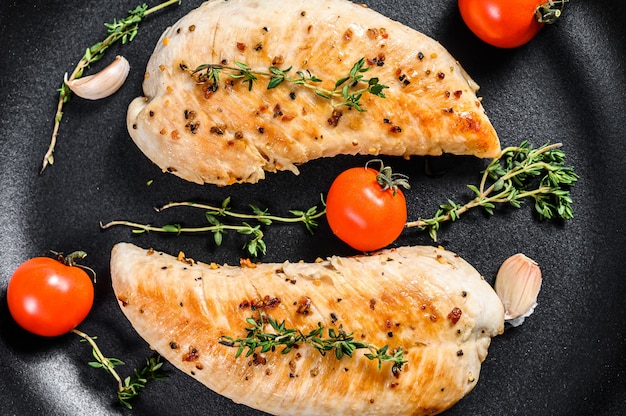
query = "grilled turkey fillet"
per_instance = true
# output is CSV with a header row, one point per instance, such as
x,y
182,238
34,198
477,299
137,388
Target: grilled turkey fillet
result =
x,y
226,133
428,301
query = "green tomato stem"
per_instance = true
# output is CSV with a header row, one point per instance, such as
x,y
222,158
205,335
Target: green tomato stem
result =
x,y
550,12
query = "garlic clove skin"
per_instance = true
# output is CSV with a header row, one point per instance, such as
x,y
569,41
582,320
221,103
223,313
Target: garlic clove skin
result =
x,y
102,84
518,283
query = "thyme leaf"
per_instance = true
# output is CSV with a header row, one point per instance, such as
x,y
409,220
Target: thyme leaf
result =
x,y
215,215
131,386
518,174
123,30
348,89
337,341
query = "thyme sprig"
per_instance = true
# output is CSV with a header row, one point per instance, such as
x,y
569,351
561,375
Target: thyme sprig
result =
x,y
214,214
131,386
349,88
123,30
519,173
338,341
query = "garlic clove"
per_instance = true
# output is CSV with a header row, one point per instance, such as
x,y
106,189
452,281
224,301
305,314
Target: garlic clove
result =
x,y
103,83
517,284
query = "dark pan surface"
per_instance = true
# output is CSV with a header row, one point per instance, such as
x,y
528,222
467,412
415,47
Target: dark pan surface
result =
x,y
568,85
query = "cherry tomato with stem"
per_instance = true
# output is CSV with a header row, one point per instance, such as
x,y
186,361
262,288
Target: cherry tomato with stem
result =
x,y
509,23
50,297
365,207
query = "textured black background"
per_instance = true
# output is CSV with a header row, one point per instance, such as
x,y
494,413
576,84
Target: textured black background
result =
x,y
568,85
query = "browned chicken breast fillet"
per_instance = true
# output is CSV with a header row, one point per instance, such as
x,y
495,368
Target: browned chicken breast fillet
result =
x,y
424,300
231,130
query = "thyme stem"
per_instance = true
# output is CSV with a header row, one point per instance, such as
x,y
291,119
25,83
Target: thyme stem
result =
x,y
350,88
129,387
255,246
519,173
124,30
337,341
106,363
259,215
172,228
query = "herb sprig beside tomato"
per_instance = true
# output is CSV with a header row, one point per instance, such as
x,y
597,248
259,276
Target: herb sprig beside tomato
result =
x,y
509,23
364,212
52,296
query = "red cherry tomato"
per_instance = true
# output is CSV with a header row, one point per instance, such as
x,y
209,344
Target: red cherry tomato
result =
x,y
362,213
49,298
502,23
